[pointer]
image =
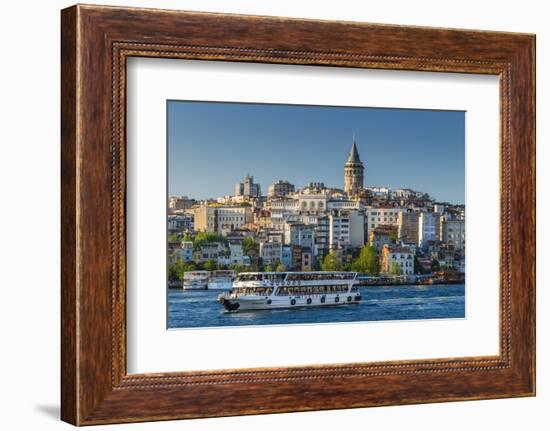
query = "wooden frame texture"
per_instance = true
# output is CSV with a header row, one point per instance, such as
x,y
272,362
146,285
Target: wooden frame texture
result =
x,y
95,43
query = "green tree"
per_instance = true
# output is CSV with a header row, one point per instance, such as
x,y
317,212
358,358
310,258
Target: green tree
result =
x,y
203,238
178,269
210,265
249,244
268,268
237,268
435,265
367,262
395,269
173,272
331,263
280,268
174,238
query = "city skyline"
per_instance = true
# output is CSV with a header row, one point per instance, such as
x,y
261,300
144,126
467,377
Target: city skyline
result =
x,y
305,144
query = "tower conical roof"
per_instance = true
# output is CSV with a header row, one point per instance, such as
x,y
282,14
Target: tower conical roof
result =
x,y
353,153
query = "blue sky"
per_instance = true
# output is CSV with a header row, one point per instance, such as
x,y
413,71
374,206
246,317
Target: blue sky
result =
x,y
213,145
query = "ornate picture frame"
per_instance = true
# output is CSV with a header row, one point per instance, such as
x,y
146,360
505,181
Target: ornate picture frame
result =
x,y
96,41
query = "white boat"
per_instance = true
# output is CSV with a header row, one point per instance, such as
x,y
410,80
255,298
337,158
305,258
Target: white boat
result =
x,y
195,280
221,279
270,290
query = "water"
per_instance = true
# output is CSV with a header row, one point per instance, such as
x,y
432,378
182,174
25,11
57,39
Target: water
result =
x,y
199,308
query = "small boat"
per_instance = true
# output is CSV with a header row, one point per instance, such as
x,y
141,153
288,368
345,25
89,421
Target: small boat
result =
x,y
273,290
195,280
221,279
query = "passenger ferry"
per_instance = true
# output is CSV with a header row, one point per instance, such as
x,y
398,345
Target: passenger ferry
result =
x,y
195,280
221,280
269,290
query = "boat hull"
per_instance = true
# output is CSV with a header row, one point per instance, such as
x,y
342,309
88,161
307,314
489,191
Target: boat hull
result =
x,y
251,303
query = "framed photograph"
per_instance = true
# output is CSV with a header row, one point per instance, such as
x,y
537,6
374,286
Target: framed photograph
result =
x,y
266,215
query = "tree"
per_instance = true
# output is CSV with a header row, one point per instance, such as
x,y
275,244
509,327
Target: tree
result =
x,y
174,238
249,244
367,261
268,268
331,263
237,268
435,265
280,268
203,238
173,273
210,265
396,269
178,269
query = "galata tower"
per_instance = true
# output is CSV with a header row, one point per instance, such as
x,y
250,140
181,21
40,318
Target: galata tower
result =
x,y
353,172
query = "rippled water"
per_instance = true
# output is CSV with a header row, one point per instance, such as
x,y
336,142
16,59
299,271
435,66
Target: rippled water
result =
x,y
192,309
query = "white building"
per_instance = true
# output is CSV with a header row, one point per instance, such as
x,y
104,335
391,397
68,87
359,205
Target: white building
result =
x,y
300,234
346,229
376,216
382,192
453,232
428,228
229,218
398,260
312,203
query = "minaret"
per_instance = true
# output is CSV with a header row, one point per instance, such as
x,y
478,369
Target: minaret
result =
x,y
353,172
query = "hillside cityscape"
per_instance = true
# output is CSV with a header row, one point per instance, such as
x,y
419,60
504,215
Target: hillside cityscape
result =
x,y
373,230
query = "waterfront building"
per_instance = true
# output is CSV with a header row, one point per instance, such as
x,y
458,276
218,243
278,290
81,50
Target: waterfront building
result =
x,y
248,188
407,226
396,260
453,232
280,188
428,228
354,172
